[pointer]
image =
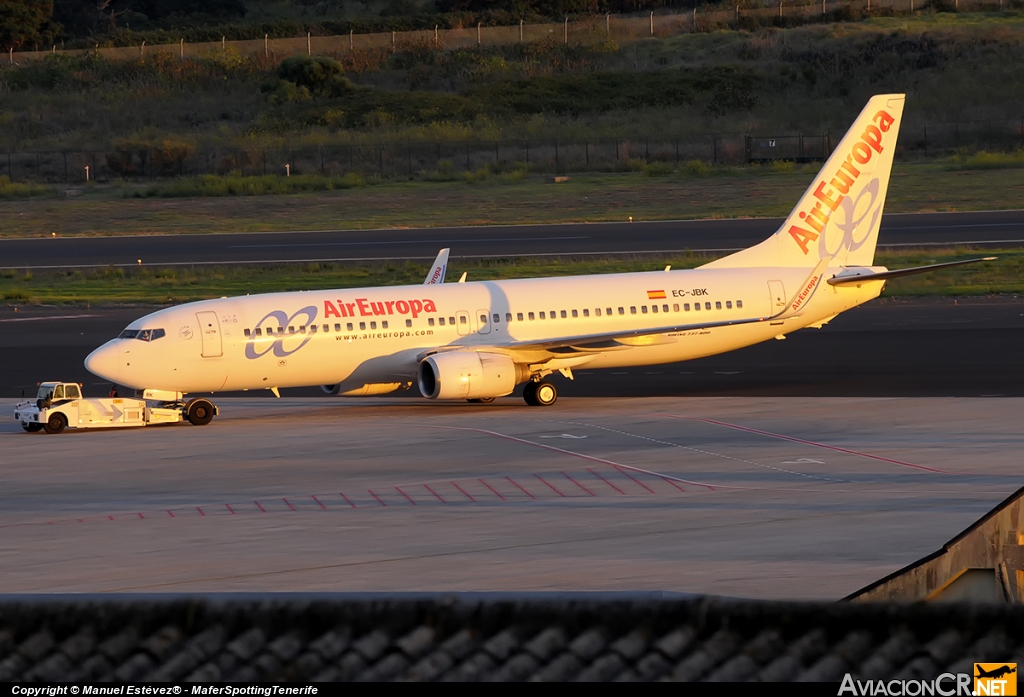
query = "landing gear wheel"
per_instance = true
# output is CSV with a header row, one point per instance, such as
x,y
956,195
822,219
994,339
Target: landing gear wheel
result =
x,y
545,394
530,394
199,412
481,400
32,428
55,424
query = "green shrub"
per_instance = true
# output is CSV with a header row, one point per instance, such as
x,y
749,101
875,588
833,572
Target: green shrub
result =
x,y
9,189
988,160
783,166
658,169
698,168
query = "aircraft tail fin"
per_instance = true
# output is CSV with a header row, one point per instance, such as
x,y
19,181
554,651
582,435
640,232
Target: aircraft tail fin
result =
x,y
839,215
437,270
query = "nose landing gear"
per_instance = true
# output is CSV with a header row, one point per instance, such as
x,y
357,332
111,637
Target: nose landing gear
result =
x,y
200,412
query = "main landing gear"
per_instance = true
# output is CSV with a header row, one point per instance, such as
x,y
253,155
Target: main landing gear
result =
x,y
200,412
540,394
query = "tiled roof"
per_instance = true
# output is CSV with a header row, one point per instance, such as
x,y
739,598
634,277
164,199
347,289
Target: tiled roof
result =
x,y
480,637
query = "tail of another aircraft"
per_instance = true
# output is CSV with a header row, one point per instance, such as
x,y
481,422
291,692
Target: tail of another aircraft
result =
x,y
838,217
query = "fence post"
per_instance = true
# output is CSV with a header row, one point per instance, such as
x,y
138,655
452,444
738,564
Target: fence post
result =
x,y
393,41
478,33
565,31
608,24
738,12
266,45
350,32
309,44
436,41
694,19
652,22
223,43
911,6
182,49
142,50
780,9
822,8
869,5
520,31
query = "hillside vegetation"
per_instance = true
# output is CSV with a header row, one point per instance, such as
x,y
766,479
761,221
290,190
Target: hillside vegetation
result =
x,y
809,79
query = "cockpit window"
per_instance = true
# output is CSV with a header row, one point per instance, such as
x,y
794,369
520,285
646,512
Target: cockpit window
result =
x,y
142,334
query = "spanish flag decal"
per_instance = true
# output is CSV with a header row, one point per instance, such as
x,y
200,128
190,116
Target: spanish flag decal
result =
x,y
655,294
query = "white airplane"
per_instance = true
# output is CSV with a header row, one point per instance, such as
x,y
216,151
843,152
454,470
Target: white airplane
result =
x,y
477,341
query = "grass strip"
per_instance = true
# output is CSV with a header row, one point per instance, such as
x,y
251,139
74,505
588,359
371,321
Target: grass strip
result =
x,y
164,286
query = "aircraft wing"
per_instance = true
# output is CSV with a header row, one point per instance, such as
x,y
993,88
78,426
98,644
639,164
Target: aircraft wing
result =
x,y
436,274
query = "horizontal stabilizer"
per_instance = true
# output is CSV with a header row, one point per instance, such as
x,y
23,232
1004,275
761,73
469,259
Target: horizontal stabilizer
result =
x,y
852,276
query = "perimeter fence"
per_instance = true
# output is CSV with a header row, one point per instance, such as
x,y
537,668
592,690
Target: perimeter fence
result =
x,y
656,155
584,29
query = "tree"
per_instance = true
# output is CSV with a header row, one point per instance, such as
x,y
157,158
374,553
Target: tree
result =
x,y
26,22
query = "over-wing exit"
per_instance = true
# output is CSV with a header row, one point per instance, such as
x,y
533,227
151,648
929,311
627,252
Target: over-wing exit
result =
x,y
479,340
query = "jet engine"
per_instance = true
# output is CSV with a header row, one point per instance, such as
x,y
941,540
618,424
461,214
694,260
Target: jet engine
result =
x,y
468,375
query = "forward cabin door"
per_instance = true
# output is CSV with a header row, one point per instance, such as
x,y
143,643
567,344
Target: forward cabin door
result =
x,y
209,329
463,323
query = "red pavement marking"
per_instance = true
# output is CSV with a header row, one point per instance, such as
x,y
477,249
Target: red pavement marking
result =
x,y
349,501
578,484
198,509
808,442
463,492
377,497
288,502
140,516
591,458
549,486
169,512
399,490
493,490
606,481
514,482
318,501
639,482
228,506
262,509
427,487
110,517
82,521
673,484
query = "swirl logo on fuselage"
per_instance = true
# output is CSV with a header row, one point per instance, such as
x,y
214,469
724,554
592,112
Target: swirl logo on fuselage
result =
x,y
279,328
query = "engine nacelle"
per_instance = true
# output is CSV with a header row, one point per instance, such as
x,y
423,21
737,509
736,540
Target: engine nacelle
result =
x,y
331,389
468,375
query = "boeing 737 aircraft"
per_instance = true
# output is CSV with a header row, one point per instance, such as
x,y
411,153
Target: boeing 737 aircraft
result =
x,y
477,341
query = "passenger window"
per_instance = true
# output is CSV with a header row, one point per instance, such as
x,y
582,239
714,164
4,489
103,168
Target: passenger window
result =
x,y
430,322
728,304
258,332
327,328
384,324
707,306
586,312
508,317
597,311
664,308
622,311
696,306
362,326
337,327
718,304
563,314
483,319
497,318
552,314
654,308
519,316
312,329
542,316
530,315
451,320
291,330
463,320
739,303
302,329
440,320
632,310
280,330
675,308
608,311
247,333
408,322
349,326
373,325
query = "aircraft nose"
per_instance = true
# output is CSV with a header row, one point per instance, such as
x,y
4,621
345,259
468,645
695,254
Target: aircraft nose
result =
x,y
105,362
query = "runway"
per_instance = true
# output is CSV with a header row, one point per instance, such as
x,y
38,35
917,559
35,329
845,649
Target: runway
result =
x,y
752,497
888,348
984,229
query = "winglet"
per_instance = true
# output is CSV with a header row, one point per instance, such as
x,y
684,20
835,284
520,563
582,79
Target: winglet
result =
x,y
436,274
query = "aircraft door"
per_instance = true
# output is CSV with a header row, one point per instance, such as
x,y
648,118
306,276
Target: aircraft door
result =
x,y
778,296
485,322
463,323
209,329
